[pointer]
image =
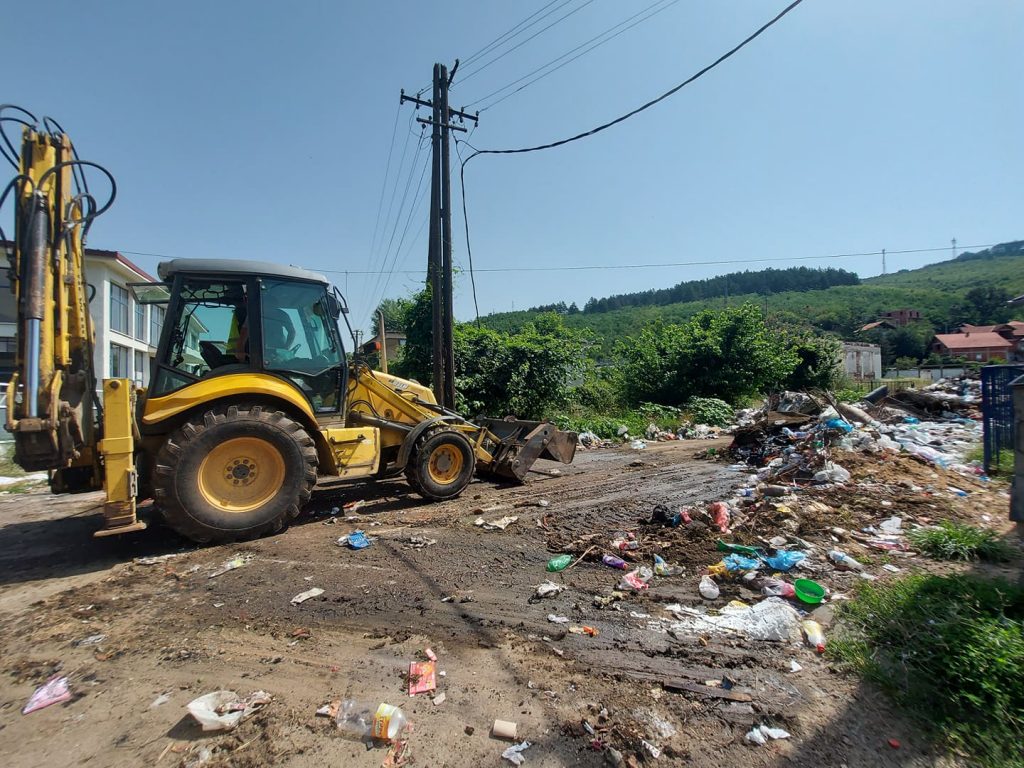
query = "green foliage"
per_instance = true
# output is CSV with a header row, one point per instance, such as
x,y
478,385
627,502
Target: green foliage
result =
x,y
396,312
764,282
527,374
950,651
937,290
603,425
957,541
709,410
730,355
819,365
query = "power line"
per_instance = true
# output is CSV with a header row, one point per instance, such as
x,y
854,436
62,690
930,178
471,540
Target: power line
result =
x,y
520,44
497,41
398,219
652,265
417,199
569,53
598,129
657,265
383,188
646,106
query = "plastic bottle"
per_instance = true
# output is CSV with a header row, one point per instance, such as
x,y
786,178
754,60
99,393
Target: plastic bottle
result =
x,y
370,722
815,634
614,562
841,558
559,563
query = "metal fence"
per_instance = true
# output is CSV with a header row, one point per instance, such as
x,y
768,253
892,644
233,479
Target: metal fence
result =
x,y
997,410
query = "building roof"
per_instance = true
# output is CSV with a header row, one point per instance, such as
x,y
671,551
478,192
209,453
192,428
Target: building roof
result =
x,y
878,324
120,258
972,340
167,269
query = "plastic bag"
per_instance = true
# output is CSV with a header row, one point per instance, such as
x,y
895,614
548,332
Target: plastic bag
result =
x,y
53,691
661,568
783,559
739,564
636,580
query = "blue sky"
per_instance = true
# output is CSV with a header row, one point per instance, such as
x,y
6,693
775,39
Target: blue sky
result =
x,y
261,130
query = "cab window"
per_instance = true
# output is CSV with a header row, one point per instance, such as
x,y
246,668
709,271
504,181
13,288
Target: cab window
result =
x,y
210,333
298,339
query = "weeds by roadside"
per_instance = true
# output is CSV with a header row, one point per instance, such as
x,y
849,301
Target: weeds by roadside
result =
x,y
950,650
957,541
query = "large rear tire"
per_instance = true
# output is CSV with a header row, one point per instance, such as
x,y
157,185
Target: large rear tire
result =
x,y
235,473
442,465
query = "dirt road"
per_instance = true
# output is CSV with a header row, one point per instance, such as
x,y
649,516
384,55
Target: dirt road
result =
x,y
168,632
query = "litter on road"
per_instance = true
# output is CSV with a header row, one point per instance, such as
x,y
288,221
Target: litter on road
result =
x,y
308,594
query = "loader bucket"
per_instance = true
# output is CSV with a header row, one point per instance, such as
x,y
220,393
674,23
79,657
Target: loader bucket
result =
x,y
521,443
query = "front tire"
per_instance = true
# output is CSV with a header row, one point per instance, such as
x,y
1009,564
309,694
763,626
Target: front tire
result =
x,y
235,473
442,465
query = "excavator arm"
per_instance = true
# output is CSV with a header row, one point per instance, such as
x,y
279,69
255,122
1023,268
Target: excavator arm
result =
x,y
53,411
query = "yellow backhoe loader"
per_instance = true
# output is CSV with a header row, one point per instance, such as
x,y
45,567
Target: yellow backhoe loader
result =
x,y
251,400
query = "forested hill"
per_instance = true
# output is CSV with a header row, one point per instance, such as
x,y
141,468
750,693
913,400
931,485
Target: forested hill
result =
x,y
971,288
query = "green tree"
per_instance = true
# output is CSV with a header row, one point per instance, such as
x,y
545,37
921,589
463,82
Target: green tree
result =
x,y
987,304
395,315
819,365
530,373
729,354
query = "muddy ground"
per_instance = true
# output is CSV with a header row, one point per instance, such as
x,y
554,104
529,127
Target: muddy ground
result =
x,y
170,632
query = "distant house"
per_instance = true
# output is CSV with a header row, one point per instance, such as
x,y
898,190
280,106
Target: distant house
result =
x,y
902,317
977,346
394,342
879,325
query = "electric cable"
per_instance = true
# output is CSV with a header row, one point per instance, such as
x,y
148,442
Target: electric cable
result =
x,y
605,126
490,46
383,188
417,199
521,43
394,230
569,53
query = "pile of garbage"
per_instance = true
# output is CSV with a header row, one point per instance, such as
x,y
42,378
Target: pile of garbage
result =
x,y
653,433
793,437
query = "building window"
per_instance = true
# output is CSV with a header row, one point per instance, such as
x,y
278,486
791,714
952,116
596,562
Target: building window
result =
x,y
140,321
119,362
156,323
118,308
141,368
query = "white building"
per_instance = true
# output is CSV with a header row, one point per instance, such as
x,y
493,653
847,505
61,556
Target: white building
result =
x,y
861,361
127,333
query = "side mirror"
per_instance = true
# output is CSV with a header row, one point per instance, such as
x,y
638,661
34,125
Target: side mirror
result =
x,y
336,304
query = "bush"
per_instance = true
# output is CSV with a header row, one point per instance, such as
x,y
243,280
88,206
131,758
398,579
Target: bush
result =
x,y
819,362
730,354
956,541
709,410
950,651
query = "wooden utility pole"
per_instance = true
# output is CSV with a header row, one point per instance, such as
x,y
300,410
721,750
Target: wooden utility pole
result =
x,y
439,251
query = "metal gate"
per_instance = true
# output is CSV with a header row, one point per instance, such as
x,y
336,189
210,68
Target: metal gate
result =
x,y
997,410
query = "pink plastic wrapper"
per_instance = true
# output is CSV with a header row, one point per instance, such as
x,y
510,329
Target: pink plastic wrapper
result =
x,y
53,691
633,580
719,512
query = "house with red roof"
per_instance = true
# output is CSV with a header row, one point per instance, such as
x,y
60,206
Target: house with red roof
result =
x,y
977,345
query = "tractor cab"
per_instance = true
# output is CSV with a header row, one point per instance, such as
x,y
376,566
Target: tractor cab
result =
x,y
227,317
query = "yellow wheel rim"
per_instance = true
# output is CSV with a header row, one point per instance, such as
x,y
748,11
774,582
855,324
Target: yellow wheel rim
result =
x,y
242,474
445,464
